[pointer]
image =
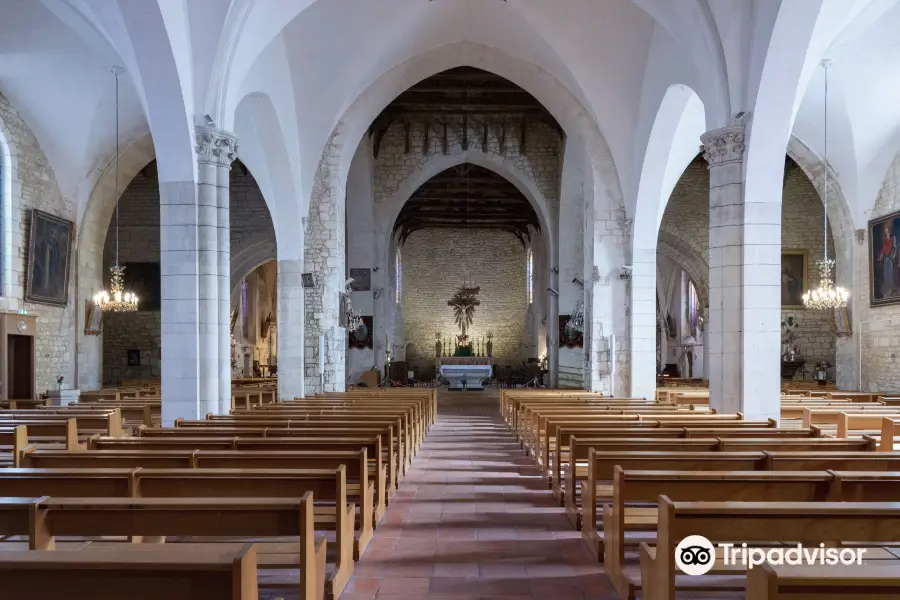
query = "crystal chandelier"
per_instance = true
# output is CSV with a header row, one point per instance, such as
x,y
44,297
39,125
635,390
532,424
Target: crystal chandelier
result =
x,y
827,295
116,299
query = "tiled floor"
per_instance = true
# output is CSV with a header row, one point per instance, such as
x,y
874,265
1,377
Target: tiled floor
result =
x,y
472,520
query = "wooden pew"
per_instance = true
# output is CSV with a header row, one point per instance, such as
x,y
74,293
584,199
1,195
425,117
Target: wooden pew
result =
x,y
329,489
576,470
13,441
631,487
810,523
155,517
890,431
839,582
251,465
217,572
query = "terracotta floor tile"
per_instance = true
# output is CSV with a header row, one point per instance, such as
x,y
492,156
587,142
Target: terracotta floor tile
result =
x,y
474,520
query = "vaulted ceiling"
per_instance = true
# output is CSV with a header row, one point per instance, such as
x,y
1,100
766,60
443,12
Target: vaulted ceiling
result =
x,y
468,196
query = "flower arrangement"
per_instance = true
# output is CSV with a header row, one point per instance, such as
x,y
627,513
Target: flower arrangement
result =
x,y
59,381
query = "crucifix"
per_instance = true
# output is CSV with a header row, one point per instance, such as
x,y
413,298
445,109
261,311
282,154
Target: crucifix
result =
x,y
464,302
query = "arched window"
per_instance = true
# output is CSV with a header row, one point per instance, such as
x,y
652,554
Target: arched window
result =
x,y
244,307
529,276
398,276
693,309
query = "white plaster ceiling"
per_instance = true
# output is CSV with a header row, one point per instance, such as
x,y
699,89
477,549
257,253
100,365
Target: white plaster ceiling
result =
x,y
863,106
307,61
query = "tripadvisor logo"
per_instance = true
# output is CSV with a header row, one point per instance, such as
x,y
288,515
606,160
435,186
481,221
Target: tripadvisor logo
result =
x,y
696,555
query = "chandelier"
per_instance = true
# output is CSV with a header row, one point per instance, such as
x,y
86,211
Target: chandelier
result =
x,y
116,299
827,295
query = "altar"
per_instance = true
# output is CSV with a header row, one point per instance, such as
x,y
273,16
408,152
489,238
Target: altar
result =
x,y
472,370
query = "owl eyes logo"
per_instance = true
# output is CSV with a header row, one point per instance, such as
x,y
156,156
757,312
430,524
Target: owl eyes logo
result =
x,y
695,555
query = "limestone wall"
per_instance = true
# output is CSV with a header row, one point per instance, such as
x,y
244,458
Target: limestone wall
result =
x,y
33,185
877,326
684,236
434,263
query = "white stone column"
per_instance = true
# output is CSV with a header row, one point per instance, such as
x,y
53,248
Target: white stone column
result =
x,y
180,316
724,151
290,329
744,283
643,324
216,150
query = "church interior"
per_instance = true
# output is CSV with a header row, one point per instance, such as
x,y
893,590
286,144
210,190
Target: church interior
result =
x,y
449,299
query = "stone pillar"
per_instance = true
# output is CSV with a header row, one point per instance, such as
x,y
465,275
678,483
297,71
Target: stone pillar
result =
x,y
325,258
290,329
643,324
216,150
180,315
553,331
744,283
724,151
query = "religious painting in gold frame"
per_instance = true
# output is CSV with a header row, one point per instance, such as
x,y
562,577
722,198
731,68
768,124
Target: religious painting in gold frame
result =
x,y
794,277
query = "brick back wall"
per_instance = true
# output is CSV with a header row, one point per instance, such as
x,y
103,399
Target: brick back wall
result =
x,y
685,226
434,264
139,242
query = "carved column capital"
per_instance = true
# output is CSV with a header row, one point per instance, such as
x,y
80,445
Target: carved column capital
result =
x,y
722,146
216,147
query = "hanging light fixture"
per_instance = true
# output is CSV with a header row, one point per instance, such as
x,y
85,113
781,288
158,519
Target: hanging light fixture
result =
x,y
827,295
116,299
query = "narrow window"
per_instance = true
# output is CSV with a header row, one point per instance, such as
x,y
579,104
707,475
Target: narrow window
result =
x,y
244,319
529,276
398,276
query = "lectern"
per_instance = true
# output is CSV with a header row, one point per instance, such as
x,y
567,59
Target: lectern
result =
x,y
18,357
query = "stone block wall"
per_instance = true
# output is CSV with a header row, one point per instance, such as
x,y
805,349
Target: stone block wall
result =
x,y
877,326
684,236
33,185
251,226
434,264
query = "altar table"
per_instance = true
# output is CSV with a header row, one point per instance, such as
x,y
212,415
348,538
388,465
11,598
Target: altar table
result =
x,y
471,369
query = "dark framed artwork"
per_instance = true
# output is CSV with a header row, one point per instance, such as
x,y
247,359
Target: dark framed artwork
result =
x,y
362,280
361,338
307,279
49,255
794,277
884,260
134,356
142,278
568,337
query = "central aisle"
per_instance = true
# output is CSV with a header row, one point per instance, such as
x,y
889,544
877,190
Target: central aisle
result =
x,y
473,520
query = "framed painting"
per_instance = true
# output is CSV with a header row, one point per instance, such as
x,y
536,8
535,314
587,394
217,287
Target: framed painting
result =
x,y
794,277
884,262
142,279
49,255
362,280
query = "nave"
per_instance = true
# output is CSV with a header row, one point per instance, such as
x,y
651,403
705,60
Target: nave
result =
x,y
473,519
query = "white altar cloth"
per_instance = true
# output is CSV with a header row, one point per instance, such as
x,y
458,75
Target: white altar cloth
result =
x,y
474,376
